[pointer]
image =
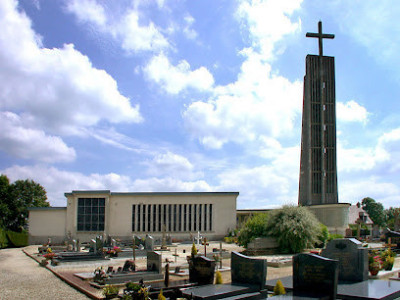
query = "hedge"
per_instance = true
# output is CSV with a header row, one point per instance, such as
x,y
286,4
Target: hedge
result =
x,y
3,238
18,239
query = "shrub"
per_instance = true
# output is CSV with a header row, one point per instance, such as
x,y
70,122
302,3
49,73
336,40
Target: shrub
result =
x,y
323,236
18,239
194,250
255,226
110,290
3,238
335,236
279,289
294,227
218,277
161,296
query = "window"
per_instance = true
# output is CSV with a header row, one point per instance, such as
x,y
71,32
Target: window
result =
x,y
180,218
133,217
190,217
210,226
200,206
154,217
138,219
195,217
159,218
91,214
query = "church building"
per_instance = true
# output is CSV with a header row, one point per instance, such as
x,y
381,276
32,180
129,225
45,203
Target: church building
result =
x,y
120,215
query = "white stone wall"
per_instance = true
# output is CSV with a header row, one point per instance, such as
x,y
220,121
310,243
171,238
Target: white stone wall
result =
x,y
47,223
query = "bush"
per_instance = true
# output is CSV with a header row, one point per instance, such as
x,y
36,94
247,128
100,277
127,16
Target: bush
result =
x,y
218,277
294,227
18,239
279,289
255,227
3,238
335,236
323,236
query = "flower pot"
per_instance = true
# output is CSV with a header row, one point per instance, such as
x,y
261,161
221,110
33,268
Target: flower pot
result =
x,y
388,267
374,272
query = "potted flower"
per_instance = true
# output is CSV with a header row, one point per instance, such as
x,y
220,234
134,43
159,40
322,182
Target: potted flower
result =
x,y
375,264
387,257
110,291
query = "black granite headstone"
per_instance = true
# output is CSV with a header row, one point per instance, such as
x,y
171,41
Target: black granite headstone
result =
x,y
315,276
352,257
201,270
248,270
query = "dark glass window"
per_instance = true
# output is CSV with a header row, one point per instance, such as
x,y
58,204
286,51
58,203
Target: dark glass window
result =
x,y
138,217
169,217
180,218
159,218
154,217
210,213
184,217
200,207
91,214
190,217
195,218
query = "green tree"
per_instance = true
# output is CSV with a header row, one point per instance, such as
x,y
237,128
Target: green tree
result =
x,y
294,227
255,226
392,218
375,210
15,199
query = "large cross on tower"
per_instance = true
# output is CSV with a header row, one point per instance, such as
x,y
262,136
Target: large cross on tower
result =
x,y
320,36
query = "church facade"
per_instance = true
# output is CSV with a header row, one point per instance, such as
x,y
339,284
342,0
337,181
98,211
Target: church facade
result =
x,y
120,215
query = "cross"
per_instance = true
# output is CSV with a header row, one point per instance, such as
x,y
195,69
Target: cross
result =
x,y
320,36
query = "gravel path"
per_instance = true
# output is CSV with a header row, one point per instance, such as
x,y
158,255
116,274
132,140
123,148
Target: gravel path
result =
x,y
22,278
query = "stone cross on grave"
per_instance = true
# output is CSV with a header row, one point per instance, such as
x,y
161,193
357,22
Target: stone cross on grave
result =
x,y
320,36
198,238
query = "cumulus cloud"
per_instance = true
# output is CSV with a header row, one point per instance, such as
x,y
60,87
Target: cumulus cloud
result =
x,y
259,103
19,141
135,33
174,79
351,111
56,89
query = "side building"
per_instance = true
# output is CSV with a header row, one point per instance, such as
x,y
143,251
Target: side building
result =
x,y
120,215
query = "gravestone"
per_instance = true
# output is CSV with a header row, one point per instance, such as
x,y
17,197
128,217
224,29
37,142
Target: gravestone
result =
x,y
92,245
201,270
315,276
154,261
149,243
352,257
74,246
169,240
248,270
99,245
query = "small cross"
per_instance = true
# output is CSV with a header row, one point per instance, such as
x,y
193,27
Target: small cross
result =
x,y
320,36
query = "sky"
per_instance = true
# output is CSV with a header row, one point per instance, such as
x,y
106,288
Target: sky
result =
x,y
192,96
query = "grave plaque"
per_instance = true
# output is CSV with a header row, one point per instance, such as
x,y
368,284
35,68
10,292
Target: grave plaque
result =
x,y
154,261
352,257
248,270
201,270
315,276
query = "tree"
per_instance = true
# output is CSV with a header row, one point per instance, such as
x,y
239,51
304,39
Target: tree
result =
x,y
375,211
392,217
294,227
255,226
16,198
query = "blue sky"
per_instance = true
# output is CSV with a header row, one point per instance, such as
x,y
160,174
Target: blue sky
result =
x,y
171,95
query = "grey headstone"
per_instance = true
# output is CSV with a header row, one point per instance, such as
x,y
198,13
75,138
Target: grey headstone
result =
x,y
201,270
315,276
248,270
154,260
149,243
92,245
74,246
352,257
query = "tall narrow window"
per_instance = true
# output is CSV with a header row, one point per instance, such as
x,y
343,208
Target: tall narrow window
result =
x,y
211,216
154,217
205,217
169,217
138,217
144,218
180,218
133,217
175,217
190,217
159,218
195,218
184,217
200,207
91,213
165,216
149,217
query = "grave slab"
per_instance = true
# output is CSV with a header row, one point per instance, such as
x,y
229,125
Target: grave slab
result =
x,y
217,291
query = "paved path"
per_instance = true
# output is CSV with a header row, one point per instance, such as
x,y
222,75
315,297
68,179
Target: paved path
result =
x,y
22,278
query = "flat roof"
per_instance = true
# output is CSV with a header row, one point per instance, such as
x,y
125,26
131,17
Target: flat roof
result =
x,y
148,193
48,208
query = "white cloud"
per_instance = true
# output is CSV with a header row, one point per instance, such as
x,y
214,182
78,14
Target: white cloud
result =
x,y
88,11
129,27
27,143
258,104
351,111
56,89
189,32
169,184
174,79
267,22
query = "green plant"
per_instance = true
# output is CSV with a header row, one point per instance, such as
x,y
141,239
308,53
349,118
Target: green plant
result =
x,y
110,290
388,263
18,239
294,227
3,238
279,289
130,286
161,296
322,236
254,227
335,236
194,250
218,277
